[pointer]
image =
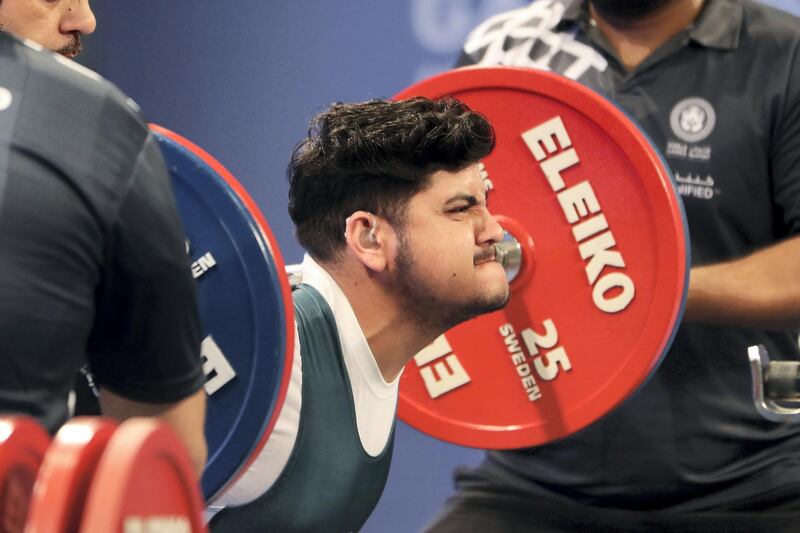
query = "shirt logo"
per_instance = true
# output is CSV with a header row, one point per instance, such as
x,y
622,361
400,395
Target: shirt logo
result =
x,y
692,119
694,186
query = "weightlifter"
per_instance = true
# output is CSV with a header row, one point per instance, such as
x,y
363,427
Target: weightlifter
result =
x,y
92,256
389,202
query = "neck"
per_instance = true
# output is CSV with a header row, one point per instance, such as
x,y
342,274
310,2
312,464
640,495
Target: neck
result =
x,y
634,40
393,335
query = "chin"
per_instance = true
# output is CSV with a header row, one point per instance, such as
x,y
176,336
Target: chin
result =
x,y
500,298
493,275
494,296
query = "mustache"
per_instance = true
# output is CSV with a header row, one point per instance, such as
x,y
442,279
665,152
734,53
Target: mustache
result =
x,y
73,48
486,254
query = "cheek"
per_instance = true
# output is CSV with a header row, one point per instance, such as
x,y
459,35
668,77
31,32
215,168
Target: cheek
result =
x,y
440,259
10,24
446,249
28,24
459,258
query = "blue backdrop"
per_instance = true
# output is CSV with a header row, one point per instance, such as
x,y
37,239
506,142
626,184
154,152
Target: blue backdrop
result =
x,y
242,78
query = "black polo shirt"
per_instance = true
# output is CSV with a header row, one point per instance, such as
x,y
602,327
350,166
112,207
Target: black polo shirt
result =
x,y
722,102
92,256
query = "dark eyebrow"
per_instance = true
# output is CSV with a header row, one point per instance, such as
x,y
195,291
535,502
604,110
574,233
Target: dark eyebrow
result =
x,y
470,199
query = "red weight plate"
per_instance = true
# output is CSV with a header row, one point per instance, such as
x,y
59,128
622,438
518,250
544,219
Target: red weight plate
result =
x,y
66,473
595,306
144,482
23,443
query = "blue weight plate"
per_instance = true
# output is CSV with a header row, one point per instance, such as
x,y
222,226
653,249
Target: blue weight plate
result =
x,y
245,308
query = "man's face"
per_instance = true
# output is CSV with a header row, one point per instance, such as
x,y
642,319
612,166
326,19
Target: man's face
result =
x,y
54,24
444,263
628,9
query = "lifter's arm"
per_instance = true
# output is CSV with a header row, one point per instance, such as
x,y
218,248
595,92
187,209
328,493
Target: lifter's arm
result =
x,y
186,417
760,290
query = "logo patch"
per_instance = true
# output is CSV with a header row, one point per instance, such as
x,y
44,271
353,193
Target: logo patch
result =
x,y
692,119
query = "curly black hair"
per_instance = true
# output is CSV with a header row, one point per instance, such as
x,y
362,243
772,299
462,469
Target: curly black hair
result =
x,y
374,156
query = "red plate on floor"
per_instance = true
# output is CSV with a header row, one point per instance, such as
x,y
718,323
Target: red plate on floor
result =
x,y
23,443
66,474
144,482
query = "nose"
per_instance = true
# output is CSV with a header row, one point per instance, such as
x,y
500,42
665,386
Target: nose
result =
x,y
79,18
492,231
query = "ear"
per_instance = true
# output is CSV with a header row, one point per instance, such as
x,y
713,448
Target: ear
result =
x,y
366,236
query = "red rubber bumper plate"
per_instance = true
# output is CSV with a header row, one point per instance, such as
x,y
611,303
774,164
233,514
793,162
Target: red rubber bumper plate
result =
x,y
143,482
66,474
23,443
601,287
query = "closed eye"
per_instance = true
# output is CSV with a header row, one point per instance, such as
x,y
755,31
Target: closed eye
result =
x,y
460,209
460,203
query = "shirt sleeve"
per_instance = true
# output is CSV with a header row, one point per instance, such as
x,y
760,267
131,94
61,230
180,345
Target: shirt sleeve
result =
x,y
146,342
